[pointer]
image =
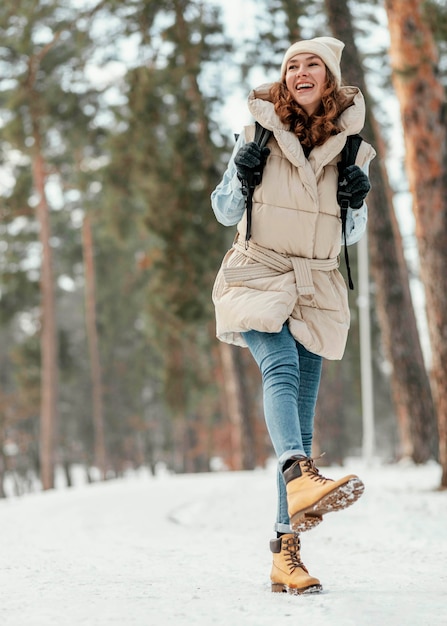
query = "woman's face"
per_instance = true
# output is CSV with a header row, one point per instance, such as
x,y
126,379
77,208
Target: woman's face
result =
x,y
306,80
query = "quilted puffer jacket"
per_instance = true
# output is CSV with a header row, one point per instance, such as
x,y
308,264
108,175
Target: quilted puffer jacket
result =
x,y
289,270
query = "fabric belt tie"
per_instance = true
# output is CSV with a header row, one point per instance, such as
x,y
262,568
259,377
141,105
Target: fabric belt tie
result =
x,y
268,264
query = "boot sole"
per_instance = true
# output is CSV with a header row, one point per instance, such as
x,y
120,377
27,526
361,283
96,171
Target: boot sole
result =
x,y
281,588
340,498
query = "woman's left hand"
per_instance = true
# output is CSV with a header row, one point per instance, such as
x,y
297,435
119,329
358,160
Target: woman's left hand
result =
x,y
356,183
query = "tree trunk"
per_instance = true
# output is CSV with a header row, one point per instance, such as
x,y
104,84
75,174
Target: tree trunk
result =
x,y
92,333
421,97
48,335
242,438
411,391
247,425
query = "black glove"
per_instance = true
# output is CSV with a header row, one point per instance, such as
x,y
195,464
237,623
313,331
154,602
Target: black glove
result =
x,y
248,158
354,186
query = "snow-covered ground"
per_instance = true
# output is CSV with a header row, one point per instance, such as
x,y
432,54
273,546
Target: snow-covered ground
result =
x,y
193,549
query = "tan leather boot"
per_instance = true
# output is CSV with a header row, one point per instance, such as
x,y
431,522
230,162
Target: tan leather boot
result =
x,y
289,574
310,495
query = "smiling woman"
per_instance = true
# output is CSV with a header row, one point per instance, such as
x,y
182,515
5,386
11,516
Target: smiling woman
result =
x,y
279,292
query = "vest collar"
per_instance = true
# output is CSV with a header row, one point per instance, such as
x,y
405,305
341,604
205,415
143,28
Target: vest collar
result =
x,y
351,122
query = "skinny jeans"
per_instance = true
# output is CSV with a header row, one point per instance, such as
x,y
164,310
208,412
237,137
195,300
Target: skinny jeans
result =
x,y
290,382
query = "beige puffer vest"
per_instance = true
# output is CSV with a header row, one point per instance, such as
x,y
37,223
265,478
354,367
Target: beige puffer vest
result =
x,y
289,271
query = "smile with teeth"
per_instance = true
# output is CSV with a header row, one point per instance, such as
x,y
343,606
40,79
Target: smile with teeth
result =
x,y
304,86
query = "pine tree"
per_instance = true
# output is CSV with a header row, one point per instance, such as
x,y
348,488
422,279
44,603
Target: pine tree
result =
x,y
46,124
26,61
410,384
421,95
164,175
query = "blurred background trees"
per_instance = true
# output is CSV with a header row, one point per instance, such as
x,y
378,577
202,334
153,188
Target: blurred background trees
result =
x,y
117,121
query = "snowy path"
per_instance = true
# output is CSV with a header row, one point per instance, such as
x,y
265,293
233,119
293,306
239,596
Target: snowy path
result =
x,y
193,549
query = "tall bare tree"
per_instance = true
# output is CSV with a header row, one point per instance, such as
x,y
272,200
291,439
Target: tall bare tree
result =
x,y
48,336
237,407
414,59
93,341
410,384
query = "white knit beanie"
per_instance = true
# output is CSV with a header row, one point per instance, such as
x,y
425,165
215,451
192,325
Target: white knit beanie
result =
x,y
328,49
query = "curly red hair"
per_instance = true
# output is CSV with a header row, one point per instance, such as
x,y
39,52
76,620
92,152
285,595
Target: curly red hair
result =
x,y
311,130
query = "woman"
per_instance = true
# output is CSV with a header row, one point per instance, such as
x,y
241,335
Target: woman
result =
x,y
279,290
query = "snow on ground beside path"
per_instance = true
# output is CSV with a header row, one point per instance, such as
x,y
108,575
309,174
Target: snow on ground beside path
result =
x,y
193,550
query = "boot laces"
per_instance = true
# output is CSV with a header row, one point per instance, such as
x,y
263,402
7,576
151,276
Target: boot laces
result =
x,y
313,472
293,557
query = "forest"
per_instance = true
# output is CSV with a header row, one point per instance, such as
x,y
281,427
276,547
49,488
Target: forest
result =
x,y
117,120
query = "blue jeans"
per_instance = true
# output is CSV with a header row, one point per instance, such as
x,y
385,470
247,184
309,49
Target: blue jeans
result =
x,y
290,381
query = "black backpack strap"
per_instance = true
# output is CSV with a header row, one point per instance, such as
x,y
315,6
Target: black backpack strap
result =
x,y
262,135
348,157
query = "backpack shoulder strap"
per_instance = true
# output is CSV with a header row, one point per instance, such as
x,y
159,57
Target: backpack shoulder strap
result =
x,y
262,135
348,157
349,152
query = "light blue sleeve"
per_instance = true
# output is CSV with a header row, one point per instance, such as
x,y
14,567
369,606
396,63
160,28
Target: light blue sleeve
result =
x,y
227,200
356,220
